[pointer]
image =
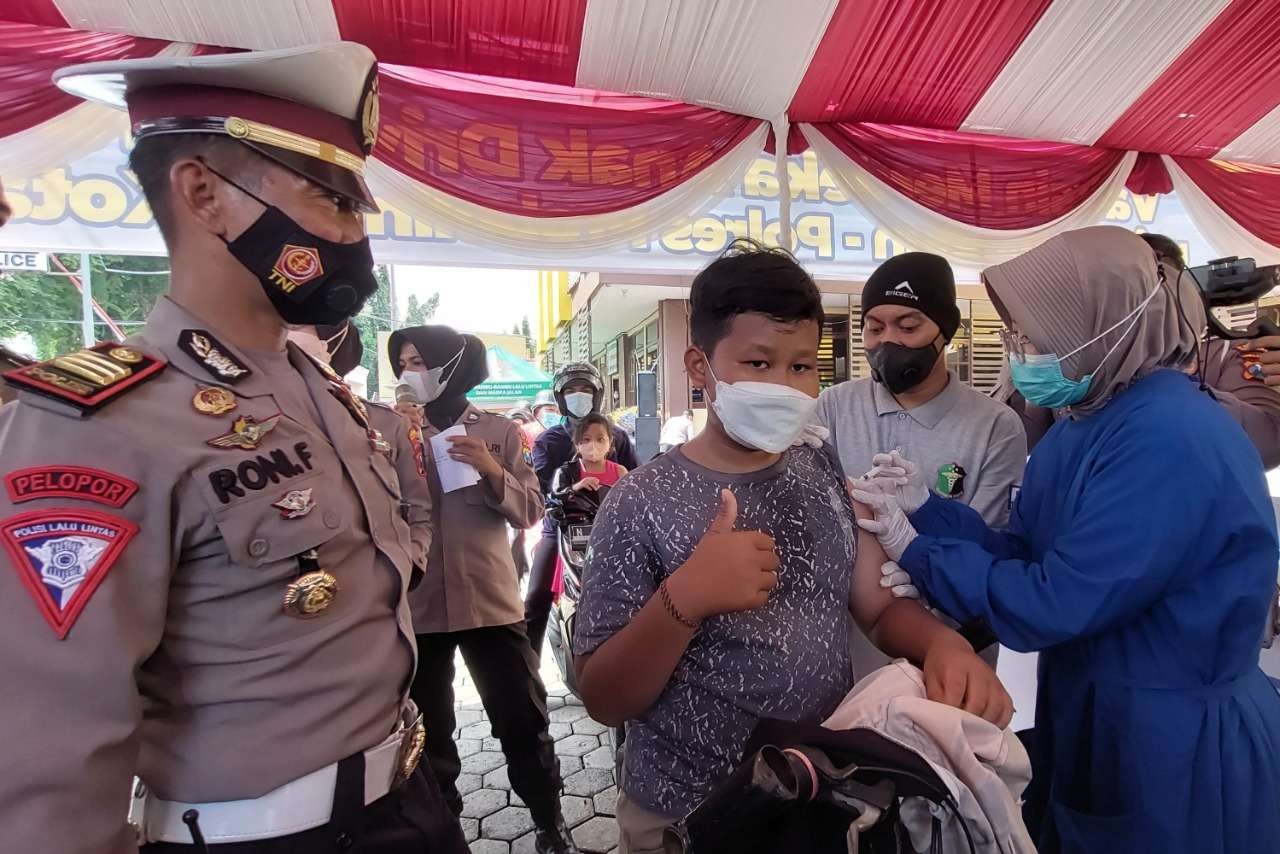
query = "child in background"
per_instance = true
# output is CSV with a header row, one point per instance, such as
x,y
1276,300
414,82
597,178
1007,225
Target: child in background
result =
x,y
593,438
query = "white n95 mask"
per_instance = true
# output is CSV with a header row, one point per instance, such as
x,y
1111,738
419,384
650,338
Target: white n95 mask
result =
x,y
428,385
765,416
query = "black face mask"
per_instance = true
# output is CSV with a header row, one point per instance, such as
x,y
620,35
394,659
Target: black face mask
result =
x,y
309,280
899,368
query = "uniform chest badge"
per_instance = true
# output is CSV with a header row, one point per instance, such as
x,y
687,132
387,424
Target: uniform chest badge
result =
x,y
246,433
295,504
62,556
212,400
950,482
212,355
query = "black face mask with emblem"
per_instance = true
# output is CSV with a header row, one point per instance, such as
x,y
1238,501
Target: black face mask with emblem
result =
x,y
308,279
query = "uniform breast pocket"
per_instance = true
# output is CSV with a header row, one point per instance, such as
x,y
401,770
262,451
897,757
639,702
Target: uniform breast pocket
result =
x,y
386,474
284,573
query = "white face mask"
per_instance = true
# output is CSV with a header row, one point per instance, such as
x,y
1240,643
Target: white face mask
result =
x,y
579,403
765,416
428,385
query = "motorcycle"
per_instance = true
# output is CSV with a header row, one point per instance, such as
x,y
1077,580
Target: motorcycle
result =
x,y
574,513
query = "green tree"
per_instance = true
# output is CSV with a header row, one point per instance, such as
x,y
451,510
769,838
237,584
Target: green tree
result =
x,y
47,306
374,318
417,314
528,336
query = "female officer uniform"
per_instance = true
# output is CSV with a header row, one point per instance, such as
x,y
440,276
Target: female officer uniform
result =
x,y
470,598
1140,561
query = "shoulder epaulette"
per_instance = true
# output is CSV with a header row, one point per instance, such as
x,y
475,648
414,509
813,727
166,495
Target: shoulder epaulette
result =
x,y
89,378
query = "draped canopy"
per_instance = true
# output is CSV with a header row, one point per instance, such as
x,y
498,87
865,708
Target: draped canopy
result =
x,y
976,127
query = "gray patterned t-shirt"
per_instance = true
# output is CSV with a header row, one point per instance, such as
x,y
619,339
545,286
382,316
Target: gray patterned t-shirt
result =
x,y
788,660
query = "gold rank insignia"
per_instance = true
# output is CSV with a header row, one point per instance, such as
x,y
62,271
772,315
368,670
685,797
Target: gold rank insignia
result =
x,y
246,433
212,400
88,378
370,113
310,594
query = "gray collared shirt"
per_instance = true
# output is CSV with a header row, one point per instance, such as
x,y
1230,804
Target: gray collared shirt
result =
x,y
971,448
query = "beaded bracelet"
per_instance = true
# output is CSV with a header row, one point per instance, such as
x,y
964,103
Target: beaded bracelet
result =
x,y
672,609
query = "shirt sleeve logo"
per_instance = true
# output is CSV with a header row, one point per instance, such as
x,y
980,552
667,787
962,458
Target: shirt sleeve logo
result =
x,y
88,484
62,556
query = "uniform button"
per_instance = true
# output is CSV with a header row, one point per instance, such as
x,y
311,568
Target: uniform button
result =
x,y
331,518
902,416
344,842
258,548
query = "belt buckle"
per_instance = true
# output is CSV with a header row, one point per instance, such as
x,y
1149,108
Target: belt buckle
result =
x,y
412,742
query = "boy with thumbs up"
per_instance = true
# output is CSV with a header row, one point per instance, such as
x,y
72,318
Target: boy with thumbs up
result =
x,y
725,577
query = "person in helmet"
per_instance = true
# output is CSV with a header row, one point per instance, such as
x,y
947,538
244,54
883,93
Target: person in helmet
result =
x,y
546,412
578,391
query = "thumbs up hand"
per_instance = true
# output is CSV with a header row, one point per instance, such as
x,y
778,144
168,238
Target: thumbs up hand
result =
x,y
728,571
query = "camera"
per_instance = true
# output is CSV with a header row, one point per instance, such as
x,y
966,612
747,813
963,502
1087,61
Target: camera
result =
x,y
1235,281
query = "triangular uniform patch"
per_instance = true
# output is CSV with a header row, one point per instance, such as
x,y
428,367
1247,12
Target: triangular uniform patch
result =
x,y
62,555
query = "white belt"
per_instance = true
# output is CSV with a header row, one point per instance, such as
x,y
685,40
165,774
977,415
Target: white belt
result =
x,y
294,807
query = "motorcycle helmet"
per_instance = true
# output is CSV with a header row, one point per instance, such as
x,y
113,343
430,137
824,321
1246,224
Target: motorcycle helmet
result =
x,y
520,414
584,371
546,397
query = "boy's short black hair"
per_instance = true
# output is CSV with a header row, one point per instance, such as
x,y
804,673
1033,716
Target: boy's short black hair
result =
x,y
751,278
580,429
1166,247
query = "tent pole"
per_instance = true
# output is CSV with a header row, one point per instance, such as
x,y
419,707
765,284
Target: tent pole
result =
x,y
86,300
781,131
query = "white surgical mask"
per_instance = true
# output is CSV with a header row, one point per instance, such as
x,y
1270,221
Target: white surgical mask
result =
x,y
765,416
579,403
428,385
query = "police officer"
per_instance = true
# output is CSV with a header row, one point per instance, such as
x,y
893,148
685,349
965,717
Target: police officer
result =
x,y
205,568
579,391
470,600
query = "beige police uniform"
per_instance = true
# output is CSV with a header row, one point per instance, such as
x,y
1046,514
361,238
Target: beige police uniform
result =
x,y
167,567
471,581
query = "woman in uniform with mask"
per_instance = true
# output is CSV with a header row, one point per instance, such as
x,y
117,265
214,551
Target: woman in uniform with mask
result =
x,y
470,599
579,391
1139,559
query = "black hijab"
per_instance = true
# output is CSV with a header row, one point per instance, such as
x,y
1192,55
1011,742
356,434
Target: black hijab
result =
x,y
437,345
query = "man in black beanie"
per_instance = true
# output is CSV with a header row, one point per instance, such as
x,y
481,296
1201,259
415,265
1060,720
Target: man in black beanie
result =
x,y
970,448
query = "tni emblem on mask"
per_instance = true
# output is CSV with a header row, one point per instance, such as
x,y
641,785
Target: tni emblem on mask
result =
x,y
296,266
950,483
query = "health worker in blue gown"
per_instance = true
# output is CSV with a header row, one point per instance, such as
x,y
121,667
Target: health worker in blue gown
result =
x,y
1139,561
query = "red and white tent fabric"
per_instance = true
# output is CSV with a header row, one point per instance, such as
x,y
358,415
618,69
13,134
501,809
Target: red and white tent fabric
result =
x,y
975,127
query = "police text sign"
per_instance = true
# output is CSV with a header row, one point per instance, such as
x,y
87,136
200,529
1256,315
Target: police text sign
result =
x,y
32,261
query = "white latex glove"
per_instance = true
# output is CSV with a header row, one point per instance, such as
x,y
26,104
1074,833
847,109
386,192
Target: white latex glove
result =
x,y
898,581
912,491
890,525
813,435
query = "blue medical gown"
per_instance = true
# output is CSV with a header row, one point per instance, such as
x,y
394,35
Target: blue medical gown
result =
x,y
1140,559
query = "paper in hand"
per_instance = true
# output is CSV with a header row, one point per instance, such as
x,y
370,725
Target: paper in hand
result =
x,y
454,474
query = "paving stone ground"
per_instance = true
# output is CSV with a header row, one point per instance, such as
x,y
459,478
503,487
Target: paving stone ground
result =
x,y
494,818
